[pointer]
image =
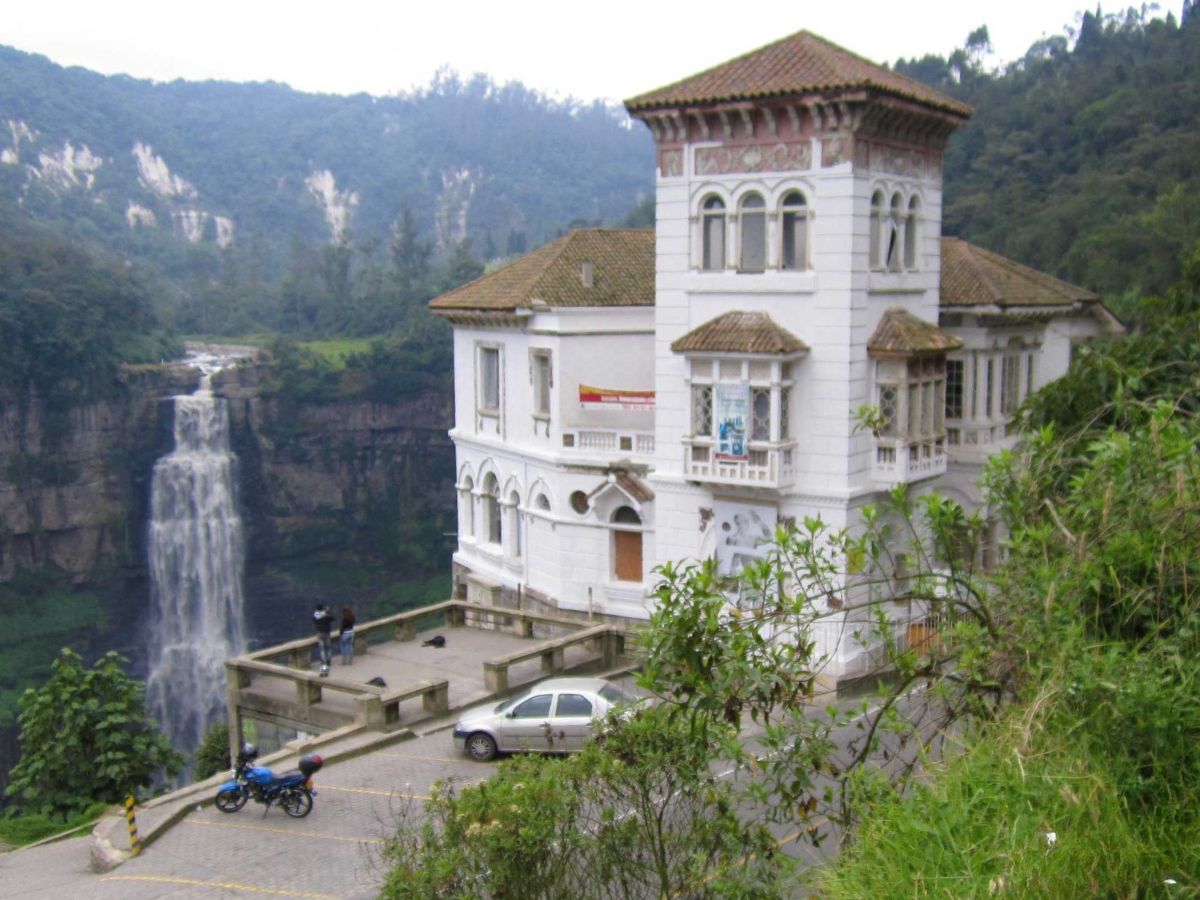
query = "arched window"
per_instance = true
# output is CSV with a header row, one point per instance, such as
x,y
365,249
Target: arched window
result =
x,y
877,217
911,234
542,502
491,510
895,226
793,232
712,225
514,521
627,545
752,222
466,512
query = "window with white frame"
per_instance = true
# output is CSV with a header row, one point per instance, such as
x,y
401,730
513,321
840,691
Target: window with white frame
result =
x,y
892,245
492,517
911,395
877,230
911,258
954,388
793,232
712,227
752,234
541,375
761,387
894,233
489,380
1010,383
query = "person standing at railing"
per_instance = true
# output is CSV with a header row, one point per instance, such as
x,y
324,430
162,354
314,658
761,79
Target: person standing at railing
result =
x,y
323,623
346,637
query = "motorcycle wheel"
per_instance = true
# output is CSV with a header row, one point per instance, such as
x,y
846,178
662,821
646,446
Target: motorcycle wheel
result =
x,y
231,801
296,802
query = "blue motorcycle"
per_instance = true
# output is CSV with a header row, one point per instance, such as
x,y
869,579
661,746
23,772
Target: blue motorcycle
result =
x,y
293,791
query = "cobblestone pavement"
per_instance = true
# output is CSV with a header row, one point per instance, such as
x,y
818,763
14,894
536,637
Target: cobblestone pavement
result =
x,y
332,853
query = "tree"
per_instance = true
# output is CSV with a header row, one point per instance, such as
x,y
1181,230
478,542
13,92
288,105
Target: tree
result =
x,y
461,267
213,753
638,814
85,738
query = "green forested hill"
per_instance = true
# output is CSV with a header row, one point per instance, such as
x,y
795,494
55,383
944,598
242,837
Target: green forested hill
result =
x,y
1083,158
240,186
256,207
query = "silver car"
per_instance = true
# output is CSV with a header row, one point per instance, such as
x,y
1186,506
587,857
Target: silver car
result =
x,y
554,716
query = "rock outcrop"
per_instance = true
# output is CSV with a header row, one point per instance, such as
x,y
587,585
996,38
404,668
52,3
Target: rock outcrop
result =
x,y
342,479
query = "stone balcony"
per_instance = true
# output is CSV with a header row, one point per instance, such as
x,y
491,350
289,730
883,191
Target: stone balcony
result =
x,y
765,465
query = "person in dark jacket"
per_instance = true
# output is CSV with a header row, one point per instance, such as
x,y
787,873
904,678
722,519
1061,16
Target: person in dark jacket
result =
x,y
323,623
346,638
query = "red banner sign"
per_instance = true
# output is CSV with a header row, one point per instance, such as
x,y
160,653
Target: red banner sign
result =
x,y
603,398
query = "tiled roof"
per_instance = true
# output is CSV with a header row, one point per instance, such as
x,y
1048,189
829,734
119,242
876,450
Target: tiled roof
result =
x,y
622,263
900,333
739,332
972,276
802,63
630,483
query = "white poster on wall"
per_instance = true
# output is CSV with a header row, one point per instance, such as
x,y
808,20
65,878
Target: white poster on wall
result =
x,y
743,532
732,412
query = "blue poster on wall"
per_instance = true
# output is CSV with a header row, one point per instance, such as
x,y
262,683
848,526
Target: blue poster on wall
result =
x,y
732,403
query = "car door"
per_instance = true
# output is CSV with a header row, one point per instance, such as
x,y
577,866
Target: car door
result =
x,y
572,722
527,725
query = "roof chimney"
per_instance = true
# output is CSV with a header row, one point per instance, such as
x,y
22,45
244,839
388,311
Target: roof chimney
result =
x,y
586,275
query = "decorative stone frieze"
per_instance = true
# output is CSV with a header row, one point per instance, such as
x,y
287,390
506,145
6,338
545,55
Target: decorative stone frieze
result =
x,y
776,157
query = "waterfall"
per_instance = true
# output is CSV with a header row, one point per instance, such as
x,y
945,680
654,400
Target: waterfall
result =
x,y
196,556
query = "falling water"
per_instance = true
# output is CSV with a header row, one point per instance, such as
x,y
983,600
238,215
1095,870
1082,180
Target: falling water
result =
x,y
196,556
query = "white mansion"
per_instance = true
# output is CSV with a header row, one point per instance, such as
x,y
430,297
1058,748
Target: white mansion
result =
x,y
625,398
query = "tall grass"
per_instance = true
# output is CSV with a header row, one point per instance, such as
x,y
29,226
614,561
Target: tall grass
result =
x,y
1040,805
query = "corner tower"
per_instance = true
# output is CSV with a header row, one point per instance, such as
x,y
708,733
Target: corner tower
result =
x,y
799,195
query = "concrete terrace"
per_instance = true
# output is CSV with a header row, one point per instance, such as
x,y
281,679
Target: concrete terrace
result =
x,y
487,652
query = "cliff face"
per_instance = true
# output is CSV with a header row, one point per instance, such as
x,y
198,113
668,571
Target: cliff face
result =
x,y
74,483
345,480
349,480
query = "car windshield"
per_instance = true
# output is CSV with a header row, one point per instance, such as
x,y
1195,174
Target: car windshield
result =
x,y
511,701
614,694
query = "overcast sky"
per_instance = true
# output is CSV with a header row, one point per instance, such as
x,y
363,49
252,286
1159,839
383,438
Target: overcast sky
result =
x,y
606,49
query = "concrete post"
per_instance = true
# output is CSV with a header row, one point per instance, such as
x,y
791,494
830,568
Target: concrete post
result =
x,y
437,700
235,679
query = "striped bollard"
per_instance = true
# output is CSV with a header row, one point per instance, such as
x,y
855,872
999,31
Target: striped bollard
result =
x,y
134,846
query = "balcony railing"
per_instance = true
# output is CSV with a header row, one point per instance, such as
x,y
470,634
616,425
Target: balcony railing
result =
x,y
631,443
898,461
765,465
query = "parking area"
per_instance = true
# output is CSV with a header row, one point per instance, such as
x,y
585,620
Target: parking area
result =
x,y
332,853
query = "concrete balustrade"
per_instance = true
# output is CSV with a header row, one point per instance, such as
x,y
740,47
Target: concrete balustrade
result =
x,y
253,680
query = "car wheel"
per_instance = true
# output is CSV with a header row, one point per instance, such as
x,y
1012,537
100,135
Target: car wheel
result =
x,y
296,802
231,801
481,746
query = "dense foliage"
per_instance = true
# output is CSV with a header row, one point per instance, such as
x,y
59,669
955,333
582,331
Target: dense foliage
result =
x,y
637,814
499,165
1090,783
1080,158
85,738
68,319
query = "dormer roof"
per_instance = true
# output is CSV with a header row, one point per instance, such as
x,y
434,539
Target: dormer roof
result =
x,y
799,65
972,276
740,332
900,333
588,267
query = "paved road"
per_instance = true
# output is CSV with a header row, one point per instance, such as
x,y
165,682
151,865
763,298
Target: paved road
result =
x,y
333,853
330,854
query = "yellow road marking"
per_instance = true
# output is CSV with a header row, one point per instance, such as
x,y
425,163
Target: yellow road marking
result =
x,y
399,792
441,759
352,790
223,885
276,830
